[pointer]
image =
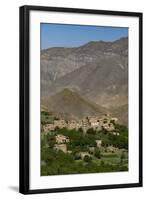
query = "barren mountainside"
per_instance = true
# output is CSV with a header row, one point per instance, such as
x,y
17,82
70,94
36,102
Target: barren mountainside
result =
x,y
70,104
97,71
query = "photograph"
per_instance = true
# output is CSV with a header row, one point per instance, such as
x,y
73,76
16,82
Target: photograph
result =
x,y
83,99
80,99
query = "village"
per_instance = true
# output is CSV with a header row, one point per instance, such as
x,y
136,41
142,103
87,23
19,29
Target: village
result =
x,y
62,141
94,141
106,122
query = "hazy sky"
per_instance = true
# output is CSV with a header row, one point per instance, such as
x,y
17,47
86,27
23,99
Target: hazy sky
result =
x,y
60,35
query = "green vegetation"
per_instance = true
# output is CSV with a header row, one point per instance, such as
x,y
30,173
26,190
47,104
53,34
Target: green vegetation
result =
x,y
64,163
120,141
47,118
96,159
97,153
87,158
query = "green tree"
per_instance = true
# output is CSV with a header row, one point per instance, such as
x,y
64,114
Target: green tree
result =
x,y
87,158
91,131
122,157
97,153
80,130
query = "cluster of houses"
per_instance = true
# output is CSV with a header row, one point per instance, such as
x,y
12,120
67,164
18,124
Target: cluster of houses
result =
x,y
62,140
107,122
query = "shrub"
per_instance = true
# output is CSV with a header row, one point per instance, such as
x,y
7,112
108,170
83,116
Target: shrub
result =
x,y
97,153
91,131
87,158
77,156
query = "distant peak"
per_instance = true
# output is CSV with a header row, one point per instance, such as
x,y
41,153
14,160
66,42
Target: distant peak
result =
x,y
122,39
94,43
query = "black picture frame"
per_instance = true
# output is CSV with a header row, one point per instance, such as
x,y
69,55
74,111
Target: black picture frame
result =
x,y
25,105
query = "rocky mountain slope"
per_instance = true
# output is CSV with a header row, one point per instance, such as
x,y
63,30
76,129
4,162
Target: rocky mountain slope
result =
x,y
70,104
121,113
97,71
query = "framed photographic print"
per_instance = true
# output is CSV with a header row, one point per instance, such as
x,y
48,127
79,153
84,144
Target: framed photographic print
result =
x,y
80,99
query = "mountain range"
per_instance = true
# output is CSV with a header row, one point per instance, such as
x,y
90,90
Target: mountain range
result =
x,y
88,80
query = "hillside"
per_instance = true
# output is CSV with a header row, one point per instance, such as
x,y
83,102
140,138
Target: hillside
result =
x,y
70,104
98,70
89,81
121,113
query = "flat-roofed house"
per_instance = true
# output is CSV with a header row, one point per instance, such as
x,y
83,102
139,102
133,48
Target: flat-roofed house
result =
x,y
94,122
61,139
48,127
112,149
114,119
85,124
72,124
60,123
62,147
98,143
83,154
